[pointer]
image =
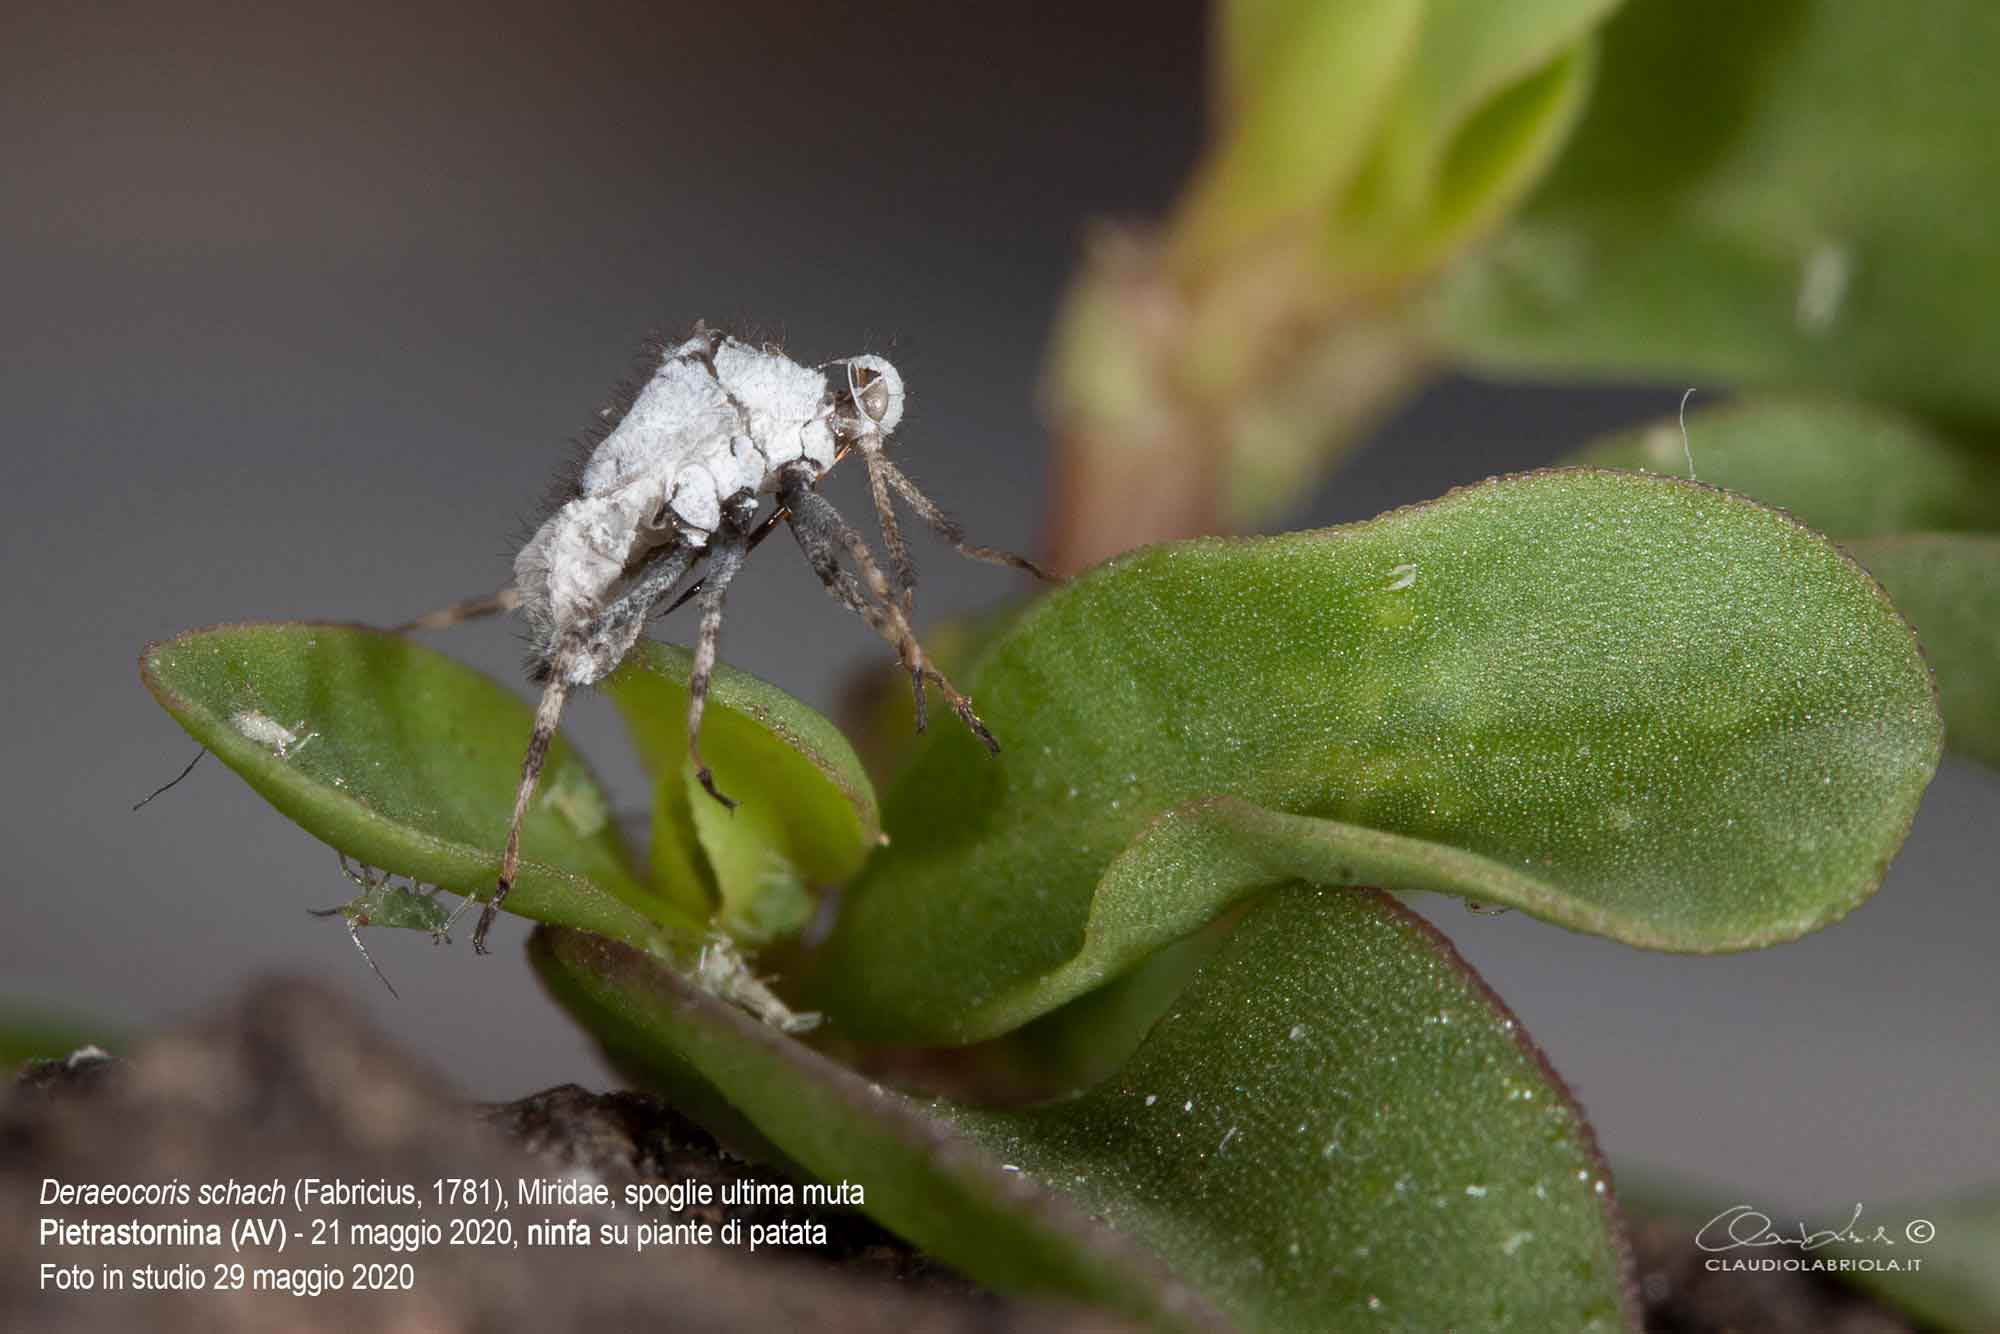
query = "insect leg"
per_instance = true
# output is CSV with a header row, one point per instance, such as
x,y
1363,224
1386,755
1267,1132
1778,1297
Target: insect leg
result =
x,y
361,874
822,534
583,655
547,715
725,558
778,515
821,550
507,599
176,779
610,634
950,529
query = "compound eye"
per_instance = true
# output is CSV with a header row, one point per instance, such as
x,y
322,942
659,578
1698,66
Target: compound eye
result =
x,y
874,393
877,390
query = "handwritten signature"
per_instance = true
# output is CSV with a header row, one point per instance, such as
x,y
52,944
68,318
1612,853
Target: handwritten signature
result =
x,y
1742,1225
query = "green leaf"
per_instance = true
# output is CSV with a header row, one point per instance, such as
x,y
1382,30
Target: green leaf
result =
x,y
1959,1284
1625,704
1492,94
1949,587
1847,469
1394,128
806,811
1302,93
1337,1127
1778,194
917,1177
1471,52
1859,472
405,760
1954,1241
33,1033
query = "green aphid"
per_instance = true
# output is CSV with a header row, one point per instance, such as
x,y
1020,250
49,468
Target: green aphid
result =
x,y
382,904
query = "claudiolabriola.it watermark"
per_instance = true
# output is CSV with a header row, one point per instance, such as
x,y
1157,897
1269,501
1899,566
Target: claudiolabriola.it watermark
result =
x,y
1744,1238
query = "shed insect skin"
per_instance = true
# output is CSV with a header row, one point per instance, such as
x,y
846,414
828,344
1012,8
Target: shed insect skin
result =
x,y
677,479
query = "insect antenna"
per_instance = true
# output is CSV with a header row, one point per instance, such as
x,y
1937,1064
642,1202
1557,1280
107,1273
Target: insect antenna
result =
x,y
950,529
868,436
354,934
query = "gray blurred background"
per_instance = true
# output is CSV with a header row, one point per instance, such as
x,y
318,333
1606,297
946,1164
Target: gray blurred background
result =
x,y
299,310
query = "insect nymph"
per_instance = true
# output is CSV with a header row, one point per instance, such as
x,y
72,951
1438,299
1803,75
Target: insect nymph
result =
x,y
677,479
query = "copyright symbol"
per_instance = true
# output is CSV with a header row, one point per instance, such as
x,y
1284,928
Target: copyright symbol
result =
x,y
1920,1230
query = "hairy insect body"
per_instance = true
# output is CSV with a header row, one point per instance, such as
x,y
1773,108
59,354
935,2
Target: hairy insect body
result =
x,y
715,426
675,482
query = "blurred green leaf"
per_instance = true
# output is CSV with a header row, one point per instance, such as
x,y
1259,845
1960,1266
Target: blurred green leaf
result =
x,y
1205,373
1625,704
1302,92
1955,1286
1337,1127
32,1033
1492,95
806,811
1847,469
1791,193
1949,587
918,1178
1392,128
1959,1284
1470,52
405,760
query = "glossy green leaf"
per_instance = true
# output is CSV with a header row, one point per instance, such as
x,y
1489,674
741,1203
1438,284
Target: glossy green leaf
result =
x,y
806,812
1336,1128
917,1177
1949,587
405,760
1847,469
1625,704
1792,193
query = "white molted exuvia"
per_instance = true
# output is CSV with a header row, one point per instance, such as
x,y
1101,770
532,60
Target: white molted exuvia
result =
x,y
673,486
695,440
